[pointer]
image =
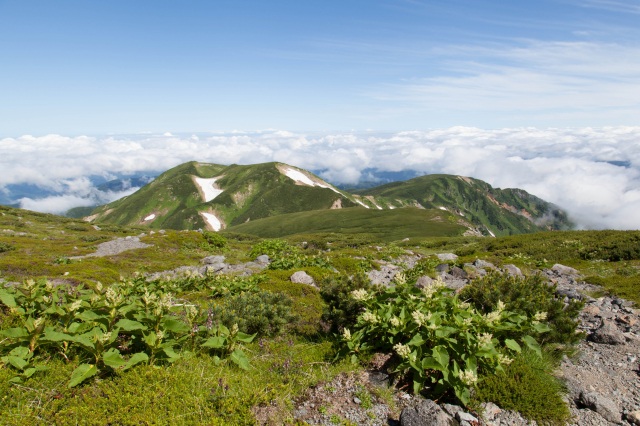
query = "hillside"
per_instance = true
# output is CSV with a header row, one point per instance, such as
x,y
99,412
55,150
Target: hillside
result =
x,y
211,196
497,211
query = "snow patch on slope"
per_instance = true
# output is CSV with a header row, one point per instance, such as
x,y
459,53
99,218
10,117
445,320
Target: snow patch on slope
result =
x,y
301,178
150,217
208,187
212,220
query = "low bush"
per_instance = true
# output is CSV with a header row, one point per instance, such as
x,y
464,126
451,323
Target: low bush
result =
x,y
341,308
531,296
528,386
215,240
263,312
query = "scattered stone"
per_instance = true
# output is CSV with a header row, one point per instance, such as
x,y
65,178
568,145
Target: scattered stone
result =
x,y
442,269
447,256
463,417
426,412
512,270
424,281
564,270
608,334
263,259
458,273
212,260
601,405
483,264
301,277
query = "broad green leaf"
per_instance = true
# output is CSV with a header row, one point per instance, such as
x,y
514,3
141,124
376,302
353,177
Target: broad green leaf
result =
x,y
55,336
417,340
512,344
172,356
532,344
7,298
445,331
428,363
21,351
113,359
240,359
175,326
17,362
85,340
15,332
441,355
16,379
246,338
29,372
89,316
82,373
216,360
541,327
215,342
135,359
130,325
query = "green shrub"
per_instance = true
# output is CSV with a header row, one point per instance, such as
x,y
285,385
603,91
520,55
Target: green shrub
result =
x,y
529,295
264,313
272,248
4,247
425,266
341,309
215,240
528,386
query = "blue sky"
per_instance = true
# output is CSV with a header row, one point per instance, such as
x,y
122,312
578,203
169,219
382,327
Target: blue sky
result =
x,y
96,67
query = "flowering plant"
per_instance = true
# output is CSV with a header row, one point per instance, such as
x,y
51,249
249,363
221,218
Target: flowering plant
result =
x,y
441,342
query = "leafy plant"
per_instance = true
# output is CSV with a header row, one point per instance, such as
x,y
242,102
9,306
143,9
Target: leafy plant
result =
x,y
440,342
215,240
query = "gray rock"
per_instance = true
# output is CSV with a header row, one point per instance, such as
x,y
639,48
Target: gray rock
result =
x,y
608,334
302,277
212,260
458,273
461,416
426,412
601,405
442,268
263,259
447,256
424,281
564,270
483,264
384,276
512,270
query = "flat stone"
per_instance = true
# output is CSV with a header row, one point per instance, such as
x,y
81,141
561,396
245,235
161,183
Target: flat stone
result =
x,y
212,260
263,259
483,264
601,405
512,270
608,334
564,270
302,277
446,256
424,281
634,417
426,412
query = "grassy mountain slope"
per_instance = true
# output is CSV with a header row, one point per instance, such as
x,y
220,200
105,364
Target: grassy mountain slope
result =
x,y
501,211
246,193
383,225
174,200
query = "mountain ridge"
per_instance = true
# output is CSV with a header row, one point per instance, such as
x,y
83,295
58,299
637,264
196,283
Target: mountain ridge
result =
x,y
204,195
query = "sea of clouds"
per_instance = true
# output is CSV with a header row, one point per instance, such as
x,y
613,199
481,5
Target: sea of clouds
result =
x,y
593,173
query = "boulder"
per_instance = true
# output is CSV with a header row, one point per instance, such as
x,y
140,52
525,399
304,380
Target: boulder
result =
x,y
447,256
601,405
212,260
483,264
302,277
424,281
426,412
608,334
512,270
263,259
564,270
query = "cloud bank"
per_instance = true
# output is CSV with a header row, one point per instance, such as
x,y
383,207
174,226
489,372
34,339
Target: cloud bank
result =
x,y
593,173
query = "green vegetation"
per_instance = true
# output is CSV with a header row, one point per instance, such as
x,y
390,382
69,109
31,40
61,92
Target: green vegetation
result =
x,y
140,351
380,225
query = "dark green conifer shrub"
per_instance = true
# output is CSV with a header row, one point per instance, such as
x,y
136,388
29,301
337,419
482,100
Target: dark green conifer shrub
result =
x,y
529,295
342,309
215,240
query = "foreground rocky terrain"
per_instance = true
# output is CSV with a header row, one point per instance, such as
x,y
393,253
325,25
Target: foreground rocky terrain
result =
x,y
602,378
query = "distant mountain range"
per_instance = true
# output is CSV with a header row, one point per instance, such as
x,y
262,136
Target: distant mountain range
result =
x,y
277,199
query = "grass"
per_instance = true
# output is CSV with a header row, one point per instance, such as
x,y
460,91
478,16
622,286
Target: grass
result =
x,y
380,225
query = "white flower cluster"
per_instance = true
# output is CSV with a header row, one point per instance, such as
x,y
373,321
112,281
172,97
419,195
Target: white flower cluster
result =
x,y
400,278
540,316
433,287
75,305
369,317
468,377
484,339
395,321
504,360
420,318
402,350
360,294
346,334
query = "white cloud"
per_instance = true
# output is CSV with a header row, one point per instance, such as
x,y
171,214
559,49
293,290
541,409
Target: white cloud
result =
x,y
570,167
